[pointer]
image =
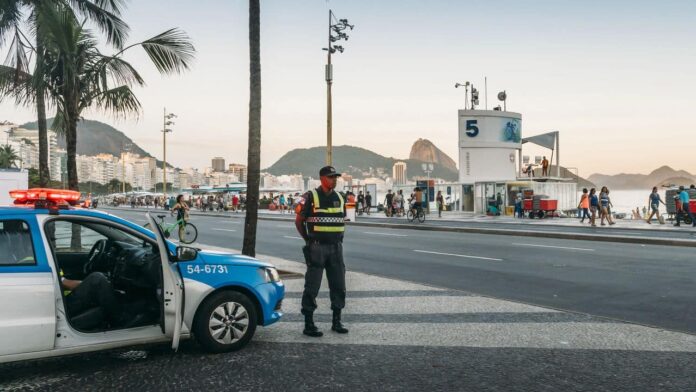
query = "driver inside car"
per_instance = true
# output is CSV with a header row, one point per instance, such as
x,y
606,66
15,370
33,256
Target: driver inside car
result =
x,y
94,291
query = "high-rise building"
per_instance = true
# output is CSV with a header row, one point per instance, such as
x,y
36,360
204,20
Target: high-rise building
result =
x,y
399,173
218,164
239,170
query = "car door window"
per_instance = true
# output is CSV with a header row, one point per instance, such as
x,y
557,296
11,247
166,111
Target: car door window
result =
x,y
73,237
16,247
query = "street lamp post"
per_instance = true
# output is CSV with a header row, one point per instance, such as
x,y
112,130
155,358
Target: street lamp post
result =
x,y
336,28
166,120
427,168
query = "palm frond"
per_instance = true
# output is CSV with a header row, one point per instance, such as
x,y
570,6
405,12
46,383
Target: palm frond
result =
x,y
10,17
106,15
119,101
170,51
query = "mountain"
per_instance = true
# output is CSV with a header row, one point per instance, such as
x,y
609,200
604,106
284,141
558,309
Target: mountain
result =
x,y
356,161
425,151
659,176
95,137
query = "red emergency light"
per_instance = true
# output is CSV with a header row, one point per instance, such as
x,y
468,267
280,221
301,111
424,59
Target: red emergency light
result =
x,y
43,196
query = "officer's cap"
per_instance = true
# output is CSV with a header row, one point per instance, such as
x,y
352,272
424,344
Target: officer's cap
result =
x,y
328,171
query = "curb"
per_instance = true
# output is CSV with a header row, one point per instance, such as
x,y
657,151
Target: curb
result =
x,y
478,230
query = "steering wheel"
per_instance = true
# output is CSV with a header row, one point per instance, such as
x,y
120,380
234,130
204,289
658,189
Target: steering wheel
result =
x,y
95,254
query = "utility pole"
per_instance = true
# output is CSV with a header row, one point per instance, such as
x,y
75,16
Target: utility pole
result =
x,y
166,120
335,34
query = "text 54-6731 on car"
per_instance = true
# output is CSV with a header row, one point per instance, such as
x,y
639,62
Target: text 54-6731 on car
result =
x,y
74,280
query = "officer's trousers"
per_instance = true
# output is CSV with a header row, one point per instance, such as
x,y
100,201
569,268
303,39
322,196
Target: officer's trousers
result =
x,y
320,257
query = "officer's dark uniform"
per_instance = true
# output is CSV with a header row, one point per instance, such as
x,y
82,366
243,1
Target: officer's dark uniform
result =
x,y
324,217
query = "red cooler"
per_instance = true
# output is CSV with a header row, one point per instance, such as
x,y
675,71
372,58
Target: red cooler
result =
x,y
527,204
548,205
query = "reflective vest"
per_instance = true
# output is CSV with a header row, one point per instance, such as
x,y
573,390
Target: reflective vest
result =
x,y
327,221
62,277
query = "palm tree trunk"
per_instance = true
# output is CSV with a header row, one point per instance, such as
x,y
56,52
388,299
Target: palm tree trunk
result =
x,y
71,147
254,152
44,173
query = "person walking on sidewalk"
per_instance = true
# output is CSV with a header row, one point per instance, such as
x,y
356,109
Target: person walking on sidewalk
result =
x,y
604,203
594,206
684,209
388,200
440,203
654,201
368,202
320,221
584,205
361,202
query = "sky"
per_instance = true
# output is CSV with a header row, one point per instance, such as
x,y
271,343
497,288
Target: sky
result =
x,y
616,78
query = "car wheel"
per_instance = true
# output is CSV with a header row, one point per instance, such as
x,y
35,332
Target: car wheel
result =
x,y
225,322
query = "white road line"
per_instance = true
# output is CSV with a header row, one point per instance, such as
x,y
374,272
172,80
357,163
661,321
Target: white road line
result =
x,y
456,255
554,247
292,238
223,229
389,234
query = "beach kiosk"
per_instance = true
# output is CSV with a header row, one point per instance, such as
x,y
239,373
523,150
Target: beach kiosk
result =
x,y
491,168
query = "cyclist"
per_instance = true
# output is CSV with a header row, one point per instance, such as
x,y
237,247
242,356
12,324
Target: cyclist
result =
x,y
181,209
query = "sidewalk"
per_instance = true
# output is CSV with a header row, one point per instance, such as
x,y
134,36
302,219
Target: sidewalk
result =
x,y
384,311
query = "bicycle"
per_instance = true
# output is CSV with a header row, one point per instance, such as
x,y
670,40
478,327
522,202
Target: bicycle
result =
x,y
416,213
190,231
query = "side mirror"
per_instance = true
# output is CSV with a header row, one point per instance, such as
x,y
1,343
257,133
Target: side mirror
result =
x,y
185,253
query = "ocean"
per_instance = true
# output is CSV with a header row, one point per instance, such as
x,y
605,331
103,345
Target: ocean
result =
x,y
627,200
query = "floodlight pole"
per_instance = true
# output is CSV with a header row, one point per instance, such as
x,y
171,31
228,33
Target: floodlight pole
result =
x,y
329,114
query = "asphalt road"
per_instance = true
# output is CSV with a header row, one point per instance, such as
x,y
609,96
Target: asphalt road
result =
x,y
646,284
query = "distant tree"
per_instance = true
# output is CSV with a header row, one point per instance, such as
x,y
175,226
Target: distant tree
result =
x,y
254,149
8,157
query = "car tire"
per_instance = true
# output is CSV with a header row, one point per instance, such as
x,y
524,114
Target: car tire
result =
x,y
218,325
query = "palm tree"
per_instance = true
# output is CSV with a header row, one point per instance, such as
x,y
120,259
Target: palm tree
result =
x,y
78,76
105,13
8,157
254,151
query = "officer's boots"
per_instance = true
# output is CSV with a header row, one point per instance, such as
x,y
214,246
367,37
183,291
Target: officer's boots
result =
x,y
336,325
309,328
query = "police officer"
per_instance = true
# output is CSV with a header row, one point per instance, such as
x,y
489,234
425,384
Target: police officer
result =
x,y
321,222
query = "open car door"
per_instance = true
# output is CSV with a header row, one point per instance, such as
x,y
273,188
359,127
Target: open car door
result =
x,y
171,297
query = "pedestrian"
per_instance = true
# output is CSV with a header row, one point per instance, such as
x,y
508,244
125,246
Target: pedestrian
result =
x,y
368,202
544,167
518,206
440,203
182,214
320,221
397,203
235,203
361,202
388,199
604,204
584,205
654,201
281,203
594,206
683,207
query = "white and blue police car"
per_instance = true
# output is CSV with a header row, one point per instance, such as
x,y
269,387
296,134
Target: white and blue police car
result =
x,y
74,280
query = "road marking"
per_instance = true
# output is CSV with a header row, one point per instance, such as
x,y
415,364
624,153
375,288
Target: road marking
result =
x,y
554,247
292,238
456,255
223,229
389,234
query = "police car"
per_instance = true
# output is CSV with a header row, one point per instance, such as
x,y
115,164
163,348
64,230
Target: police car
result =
x,y
74,280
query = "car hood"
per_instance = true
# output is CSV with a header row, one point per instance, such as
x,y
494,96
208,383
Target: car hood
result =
x,y
216,257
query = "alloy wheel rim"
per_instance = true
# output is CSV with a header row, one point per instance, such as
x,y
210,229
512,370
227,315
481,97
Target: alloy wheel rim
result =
x,y
228,323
